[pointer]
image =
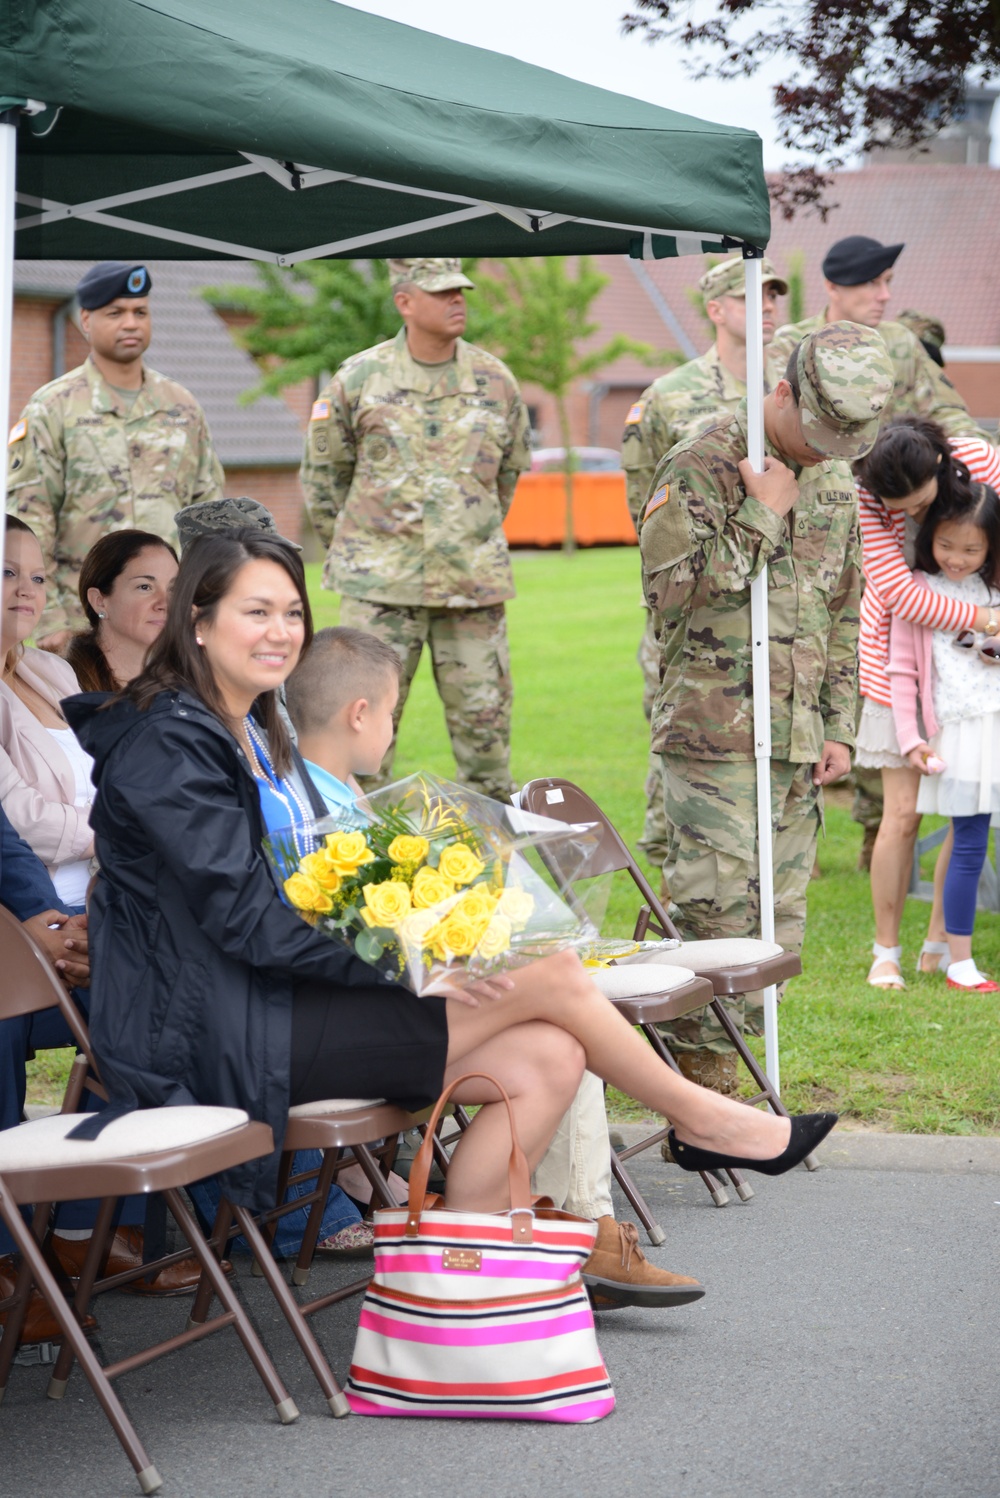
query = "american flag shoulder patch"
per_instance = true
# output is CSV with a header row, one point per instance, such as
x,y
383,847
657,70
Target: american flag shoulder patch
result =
x,y
635,413
660,497
320,411
17,431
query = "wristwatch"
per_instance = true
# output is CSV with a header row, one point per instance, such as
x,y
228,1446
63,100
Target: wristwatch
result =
x,y
992,624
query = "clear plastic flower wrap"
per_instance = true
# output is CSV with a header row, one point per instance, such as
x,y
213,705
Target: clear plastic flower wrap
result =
x,y
426,879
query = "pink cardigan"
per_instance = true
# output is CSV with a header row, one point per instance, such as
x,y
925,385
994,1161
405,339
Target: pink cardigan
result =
x,y
37,784
911,680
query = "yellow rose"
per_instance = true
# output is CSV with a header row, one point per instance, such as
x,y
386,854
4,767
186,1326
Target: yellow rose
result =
x,y
516,904
476,905
430,888
418,929
457,936
496,938
305,894
386,903
347,851
459,864
405,849
319,868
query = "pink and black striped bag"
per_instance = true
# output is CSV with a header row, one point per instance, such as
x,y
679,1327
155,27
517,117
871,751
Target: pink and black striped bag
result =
x,y
479,1315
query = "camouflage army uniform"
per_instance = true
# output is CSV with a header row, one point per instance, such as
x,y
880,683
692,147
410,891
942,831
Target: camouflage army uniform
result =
x,y
678,405
81,463
408,473
920,387
703,540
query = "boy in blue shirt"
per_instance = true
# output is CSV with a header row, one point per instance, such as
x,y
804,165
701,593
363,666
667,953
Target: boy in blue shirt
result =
x,y
341,698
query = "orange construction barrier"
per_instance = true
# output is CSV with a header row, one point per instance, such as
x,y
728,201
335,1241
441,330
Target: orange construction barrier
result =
x,y
537,516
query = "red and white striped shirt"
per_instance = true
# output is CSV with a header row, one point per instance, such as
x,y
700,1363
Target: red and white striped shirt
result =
x,y
889,585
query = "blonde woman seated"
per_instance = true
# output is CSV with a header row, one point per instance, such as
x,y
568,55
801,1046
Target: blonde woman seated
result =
x,y
210,989
45,782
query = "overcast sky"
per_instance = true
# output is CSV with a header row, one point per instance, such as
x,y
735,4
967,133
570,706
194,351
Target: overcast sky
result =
x,y
581,38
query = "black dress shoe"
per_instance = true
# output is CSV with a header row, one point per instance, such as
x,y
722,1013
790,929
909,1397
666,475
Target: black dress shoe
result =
x,y
808,1130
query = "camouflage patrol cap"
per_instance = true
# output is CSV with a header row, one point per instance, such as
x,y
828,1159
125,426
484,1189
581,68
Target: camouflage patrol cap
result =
x,y
845,379
729,279
429,275
928,329
214,515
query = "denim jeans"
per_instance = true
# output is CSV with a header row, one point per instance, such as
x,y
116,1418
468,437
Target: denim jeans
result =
x,y
340,1211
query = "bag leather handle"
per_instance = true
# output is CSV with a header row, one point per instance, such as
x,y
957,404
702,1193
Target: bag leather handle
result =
x,y
518,1176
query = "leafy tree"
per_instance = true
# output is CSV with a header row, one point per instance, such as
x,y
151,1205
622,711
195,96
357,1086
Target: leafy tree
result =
x,y
861,71
536,316
306,321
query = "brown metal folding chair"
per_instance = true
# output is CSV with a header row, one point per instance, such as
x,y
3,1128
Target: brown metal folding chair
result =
x,y
732,966
157,1149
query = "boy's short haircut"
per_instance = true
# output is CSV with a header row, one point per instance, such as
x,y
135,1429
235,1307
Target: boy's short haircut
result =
x,y
340,666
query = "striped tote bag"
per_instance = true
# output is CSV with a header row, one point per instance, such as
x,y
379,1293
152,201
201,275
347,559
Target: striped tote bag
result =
x,y
479,1315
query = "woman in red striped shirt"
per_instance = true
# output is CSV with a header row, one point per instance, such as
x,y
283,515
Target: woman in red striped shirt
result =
x,y
911,464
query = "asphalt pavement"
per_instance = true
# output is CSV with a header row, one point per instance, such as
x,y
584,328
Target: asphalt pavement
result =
x,y
848,1345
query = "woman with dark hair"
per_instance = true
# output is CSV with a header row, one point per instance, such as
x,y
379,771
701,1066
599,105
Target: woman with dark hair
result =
x,y
912,465
124,587
209,988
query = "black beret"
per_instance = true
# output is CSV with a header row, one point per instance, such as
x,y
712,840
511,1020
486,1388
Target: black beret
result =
x,y
111,279
852,261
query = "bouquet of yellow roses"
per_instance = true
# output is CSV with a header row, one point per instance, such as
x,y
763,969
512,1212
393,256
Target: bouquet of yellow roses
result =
x,y
425,878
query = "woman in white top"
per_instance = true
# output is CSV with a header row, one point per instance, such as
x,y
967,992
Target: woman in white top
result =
x,y
45,782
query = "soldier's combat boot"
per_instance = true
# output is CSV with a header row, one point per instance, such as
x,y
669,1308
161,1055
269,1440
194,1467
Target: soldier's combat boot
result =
x,y
619,1274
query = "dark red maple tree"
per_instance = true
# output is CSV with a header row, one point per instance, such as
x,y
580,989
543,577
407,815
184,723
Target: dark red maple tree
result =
x,y
860,71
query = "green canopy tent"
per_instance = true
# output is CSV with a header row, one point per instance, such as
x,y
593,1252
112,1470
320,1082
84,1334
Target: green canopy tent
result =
x,y
281,133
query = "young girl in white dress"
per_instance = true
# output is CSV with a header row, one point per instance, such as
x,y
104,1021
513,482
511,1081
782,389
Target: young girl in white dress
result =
x,y
946,706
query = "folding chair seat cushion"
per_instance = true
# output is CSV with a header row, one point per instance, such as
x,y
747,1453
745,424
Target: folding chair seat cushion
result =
x,y
43,1145
334,1105
632,982
704,956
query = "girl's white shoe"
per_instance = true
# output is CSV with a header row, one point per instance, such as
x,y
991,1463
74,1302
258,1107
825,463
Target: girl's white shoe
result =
x,y
938,949
883,956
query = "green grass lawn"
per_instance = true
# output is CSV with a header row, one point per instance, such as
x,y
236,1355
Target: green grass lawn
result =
x,y
920,1061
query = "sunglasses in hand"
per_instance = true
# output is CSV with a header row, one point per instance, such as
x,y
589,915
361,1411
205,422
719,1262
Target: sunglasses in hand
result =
x,y
989,651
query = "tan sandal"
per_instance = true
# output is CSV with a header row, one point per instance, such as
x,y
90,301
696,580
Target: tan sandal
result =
x,y
884,955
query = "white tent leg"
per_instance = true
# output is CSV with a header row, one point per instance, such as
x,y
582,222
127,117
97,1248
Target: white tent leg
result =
x,y
761,660
8,161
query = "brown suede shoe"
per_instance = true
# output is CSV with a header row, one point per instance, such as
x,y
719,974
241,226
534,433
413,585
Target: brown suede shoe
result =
x,y
39,1325
126,1253
619,1274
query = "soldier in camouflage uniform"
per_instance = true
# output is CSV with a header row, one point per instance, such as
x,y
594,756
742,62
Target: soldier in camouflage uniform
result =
x,y
858,274
413,452
709,526
676,406
110,445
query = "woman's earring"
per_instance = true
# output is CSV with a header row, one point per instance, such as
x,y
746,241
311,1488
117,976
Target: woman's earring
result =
x,y
102,616
198,640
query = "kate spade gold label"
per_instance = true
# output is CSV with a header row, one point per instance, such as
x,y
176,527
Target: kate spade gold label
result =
x,y
469,1259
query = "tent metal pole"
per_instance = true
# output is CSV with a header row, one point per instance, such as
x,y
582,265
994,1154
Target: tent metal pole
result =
x,y
760,652
8,166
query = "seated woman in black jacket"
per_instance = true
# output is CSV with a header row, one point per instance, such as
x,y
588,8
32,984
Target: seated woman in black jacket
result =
x,y
210,989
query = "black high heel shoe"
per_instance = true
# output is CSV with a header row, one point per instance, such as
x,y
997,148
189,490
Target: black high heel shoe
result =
x,y
808,1130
